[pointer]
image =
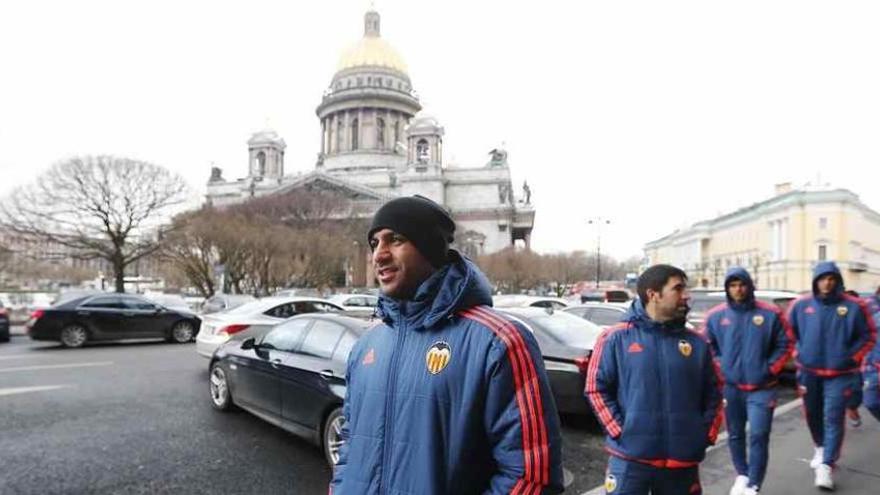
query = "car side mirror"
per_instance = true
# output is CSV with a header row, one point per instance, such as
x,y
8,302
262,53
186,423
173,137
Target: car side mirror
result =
x,y
249,344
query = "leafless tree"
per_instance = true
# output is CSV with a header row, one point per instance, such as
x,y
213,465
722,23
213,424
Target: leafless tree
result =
x,y
98,206
190,248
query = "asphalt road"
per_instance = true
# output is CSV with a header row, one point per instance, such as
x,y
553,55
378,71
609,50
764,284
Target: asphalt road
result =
x,y
135,418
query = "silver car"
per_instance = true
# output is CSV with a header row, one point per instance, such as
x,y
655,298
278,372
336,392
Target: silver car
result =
x,y
253,319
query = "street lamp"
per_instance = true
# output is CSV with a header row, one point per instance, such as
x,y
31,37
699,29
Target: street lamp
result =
x,y
598,222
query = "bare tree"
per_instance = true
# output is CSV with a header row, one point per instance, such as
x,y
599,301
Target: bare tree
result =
x,y
190,248
98,206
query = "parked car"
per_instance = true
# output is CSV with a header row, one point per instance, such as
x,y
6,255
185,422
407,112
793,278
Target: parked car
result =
x,y
522,301
255,318
355,302
111,317
602,314
170,301
4,323
606,295
225,302
566,343
292,376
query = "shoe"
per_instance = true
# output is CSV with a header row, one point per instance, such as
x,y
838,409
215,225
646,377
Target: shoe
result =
x,y
739,485
818,457
855,419
823,477
752,490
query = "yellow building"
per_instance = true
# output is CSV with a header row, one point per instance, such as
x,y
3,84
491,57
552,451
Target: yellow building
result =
x,y
779,240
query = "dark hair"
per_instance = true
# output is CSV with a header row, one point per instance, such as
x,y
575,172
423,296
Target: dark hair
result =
x,y
655,278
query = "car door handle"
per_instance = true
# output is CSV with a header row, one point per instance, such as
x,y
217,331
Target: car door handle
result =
x,y
83,313
128,313
327,374
276,363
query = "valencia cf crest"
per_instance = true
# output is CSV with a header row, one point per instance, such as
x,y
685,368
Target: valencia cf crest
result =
x,y
438,357
757,320
610,483
842,310
685,348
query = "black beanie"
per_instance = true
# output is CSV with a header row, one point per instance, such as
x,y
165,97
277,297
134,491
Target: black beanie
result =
x,y
425,223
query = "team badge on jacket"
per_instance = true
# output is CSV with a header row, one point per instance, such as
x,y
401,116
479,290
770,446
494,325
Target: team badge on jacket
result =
x,y
685,348
438,357
610,483
842,310
758,320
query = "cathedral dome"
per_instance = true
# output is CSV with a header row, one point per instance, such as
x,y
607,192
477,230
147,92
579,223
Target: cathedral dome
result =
x,y
266,136
371,50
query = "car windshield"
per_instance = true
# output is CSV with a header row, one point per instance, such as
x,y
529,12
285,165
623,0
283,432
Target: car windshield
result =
x,y
567,329
704,304
257,306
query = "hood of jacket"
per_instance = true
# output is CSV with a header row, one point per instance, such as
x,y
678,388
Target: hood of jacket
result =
x,y
825,268
456,286
740,273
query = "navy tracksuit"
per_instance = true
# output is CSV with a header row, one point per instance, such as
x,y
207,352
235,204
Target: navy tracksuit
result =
x,y
657,392
834,335
752,341
871,377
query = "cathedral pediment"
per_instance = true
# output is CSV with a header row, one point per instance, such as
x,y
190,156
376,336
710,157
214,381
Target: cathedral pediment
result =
x,y
321,182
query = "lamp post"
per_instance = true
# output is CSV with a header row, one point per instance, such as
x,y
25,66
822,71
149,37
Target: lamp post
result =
x,y
598,222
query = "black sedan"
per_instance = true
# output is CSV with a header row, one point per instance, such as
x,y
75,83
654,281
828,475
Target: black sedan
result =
x,y
104,317
293,376
566,343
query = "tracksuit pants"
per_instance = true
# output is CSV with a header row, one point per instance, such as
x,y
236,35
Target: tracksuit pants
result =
x,y
825,402
635,478
755,408
871,376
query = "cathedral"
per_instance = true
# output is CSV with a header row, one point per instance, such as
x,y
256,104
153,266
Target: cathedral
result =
x,y
375,145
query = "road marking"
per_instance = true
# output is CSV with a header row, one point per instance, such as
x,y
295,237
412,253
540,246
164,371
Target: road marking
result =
x,y
55,366
722,438
24,390
20,356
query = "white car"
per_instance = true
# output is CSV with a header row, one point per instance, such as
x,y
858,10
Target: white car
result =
x,y
602,314
522,301
254,318
356,302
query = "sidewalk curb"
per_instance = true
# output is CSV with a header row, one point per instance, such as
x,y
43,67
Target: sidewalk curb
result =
x,y
722,438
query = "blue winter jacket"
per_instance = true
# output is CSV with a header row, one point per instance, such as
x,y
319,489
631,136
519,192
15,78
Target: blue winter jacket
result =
x,y
834,333
656,390
752,339
448,397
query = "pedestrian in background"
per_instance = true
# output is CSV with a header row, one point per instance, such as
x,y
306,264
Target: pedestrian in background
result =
x,y
656,390
753,342
834,333
446,396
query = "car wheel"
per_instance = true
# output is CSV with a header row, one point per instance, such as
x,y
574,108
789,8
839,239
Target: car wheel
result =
x,y
221,398
332,440
74,336
182,332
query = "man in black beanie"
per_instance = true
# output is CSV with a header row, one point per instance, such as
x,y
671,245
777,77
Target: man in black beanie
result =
x,y
447,396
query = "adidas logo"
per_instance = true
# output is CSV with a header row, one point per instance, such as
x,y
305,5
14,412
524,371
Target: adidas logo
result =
x,y
635,347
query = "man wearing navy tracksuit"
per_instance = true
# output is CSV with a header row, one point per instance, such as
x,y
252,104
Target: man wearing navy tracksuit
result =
x,y
656,389
834,333
871,377
752,341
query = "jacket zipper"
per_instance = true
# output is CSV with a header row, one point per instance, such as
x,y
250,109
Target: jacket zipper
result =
x,y
661,365
387,444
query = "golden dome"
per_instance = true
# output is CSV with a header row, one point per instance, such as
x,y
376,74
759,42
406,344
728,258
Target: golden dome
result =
x,y
371,51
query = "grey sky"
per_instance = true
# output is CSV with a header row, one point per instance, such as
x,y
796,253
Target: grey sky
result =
x,y
652,114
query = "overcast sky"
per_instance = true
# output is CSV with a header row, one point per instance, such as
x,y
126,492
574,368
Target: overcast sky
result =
x,y
651,114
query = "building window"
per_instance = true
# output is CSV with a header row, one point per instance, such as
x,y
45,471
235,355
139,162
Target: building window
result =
x,y
823,252
380,133
354,134
261,164
396,135
823,223
422,151
339,132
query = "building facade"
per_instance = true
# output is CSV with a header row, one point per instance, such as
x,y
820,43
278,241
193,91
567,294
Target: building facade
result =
x,y
374,145
779,240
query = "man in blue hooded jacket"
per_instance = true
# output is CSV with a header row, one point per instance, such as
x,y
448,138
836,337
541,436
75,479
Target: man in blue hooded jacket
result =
x,y
656,389
446,396
871,377
753,341
834,333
